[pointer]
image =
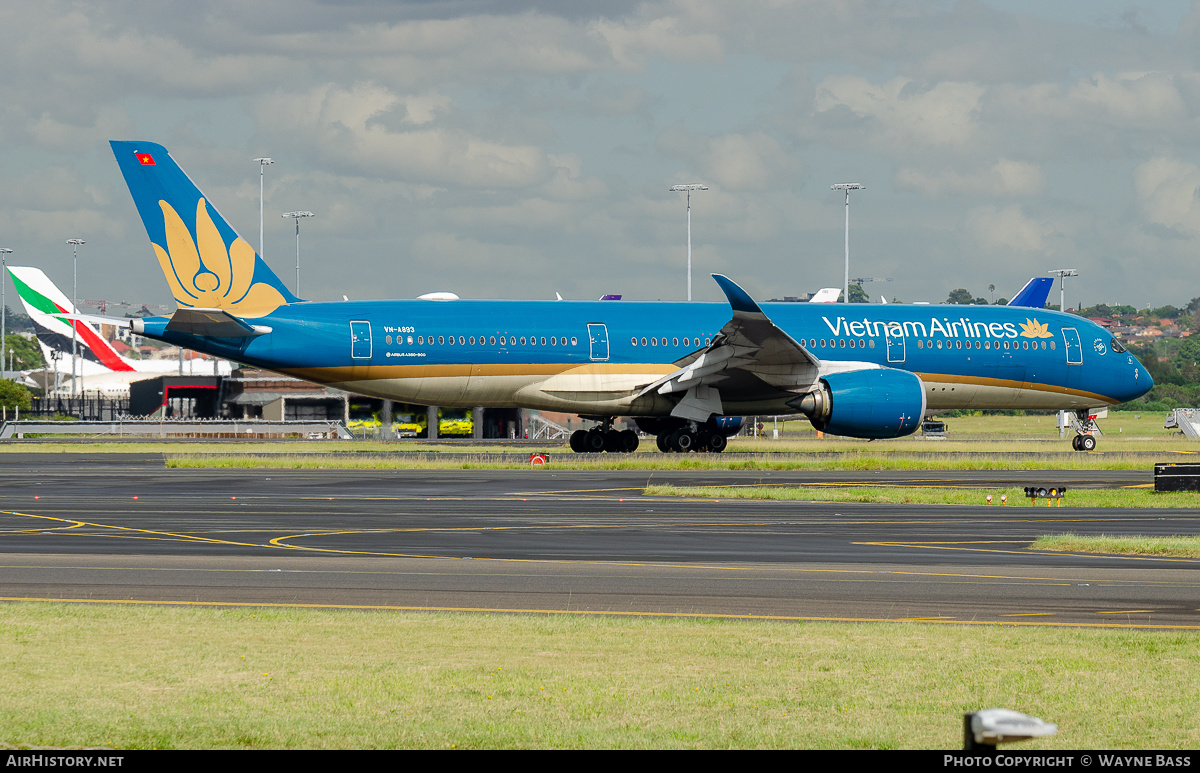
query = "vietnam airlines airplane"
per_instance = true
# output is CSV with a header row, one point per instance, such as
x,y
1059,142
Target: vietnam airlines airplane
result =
x,y
682,371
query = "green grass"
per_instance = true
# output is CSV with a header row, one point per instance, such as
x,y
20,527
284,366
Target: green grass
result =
x,y
1179,546
1120,428
179,677
897,459
933,495
999,435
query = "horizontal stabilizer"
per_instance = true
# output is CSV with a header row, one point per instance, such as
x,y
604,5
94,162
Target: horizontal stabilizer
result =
x,y
214,323
98,319
1034,294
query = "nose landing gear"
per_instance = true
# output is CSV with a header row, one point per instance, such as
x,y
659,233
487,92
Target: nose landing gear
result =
x,y
1086,430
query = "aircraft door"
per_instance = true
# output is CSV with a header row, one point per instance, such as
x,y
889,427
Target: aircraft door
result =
x,y
1071,344
598,340
360,340
895,344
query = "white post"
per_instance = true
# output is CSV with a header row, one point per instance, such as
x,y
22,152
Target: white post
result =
x,y
262,172
76,386
297,215
847,187
689,238
688,188
3,304
846,282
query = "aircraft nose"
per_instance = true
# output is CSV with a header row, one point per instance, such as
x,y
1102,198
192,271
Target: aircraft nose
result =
x,y
1140,381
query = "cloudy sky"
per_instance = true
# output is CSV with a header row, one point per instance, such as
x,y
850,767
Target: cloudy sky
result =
x,y
505,149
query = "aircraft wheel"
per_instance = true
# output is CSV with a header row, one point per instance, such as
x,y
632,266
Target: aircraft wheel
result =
x,y
579,441
595,441
717,443
1087,443
629,441
664,443
683,441
1075,442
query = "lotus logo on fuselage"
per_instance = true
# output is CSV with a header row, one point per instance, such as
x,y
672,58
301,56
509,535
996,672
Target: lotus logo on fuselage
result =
x,y
1031,328
205,273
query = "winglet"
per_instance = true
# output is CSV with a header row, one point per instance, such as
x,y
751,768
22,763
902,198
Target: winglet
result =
x,y
739,300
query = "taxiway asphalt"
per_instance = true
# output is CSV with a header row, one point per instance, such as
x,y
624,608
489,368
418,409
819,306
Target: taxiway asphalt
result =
x,y
122,528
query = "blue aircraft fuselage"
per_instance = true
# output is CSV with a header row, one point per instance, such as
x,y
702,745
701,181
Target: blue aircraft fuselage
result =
x,y
494,353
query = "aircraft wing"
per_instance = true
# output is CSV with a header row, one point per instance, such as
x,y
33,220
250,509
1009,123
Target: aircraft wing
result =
x,y
750,355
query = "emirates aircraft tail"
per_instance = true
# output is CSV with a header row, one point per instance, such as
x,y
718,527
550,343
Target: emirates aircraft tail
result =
x,y
48,307
51,310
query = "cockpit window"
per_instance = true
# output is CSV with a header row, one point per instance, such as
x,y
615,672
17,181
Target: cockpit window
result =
x,y
1116,346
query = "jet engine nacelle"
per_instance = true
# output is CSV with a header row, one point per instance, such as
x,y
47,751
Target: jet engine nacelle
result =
x,y
874,403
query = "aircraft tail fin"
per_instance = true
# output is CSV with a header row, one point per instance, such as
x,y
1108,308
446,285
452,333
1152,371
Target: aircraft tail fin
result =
x,y
206,264
48,308
1034,294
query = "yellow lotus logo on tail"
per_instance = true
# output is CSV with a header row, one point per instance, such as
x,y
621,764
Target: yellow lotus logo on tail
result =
x,y
1031,328
205,274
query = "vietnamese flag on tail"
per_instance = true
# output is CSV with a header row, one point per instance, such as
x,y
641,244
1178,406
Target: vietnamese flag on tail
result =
x,y
145,158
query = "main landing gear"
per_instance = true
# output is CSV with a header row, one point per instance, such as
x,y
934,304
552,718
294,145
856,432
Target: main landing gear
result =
x,y
672,435
691,437
1086,430
604,438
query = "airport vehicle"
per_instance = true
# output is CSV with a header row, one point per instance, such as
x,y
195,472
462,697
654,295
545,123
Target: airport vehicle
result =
x,y
682,371
103,368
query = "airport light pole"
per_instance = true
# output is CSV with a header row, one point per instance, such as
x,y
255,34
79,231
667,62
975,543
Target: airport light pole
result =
x,y
688,188
847,187
75,310
1062,274
4,252
300,213
262,173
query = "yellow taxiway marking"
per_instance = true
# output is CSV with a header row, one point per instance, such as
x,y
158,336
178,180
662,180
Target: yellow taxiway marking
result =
x,y
601,613
1028,614
923,619
129,532
134,532
1123,611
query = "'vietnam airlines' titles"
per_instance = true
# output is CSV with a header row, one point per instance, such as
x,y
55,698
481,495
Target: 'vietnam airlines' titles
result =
x,y
944,328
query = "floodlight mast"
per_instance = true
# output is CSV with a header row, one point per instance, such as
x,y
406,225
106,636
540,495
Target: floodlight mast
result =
x,y
297,215
4,253
1062,274
688,188
847,187
76,384
262,172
